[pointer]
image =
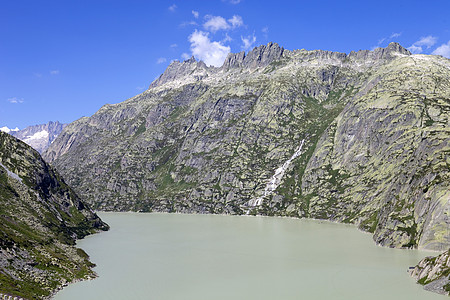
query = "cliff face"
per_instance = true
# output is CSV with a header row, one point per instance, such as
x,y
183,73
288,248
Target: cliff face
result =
x,y
360,138
41,217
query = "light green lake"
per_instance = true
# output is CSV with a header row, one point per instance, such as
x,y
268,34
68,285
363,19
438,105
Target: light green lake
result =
x,y
173,256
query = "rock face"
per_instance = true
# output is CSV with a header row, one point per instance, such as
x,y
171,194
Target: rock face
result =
x,y
434,273
39,136
373,125
40,219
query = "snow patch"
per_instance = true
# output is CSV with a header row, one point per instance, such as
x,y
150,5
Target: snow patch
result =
x,y
37,136
7,130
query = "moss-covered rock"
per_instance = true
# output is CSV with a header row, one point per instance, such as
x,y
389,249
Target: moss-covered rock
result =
x,y
40,219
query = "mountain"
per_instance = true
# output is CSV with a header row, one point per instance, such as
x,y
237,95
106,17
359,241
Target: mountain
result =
x,y
40,219
358,138
37,136
8,130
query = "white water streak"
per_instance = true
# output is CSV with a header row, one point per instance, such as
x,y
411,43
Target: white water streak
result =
x,y
275,180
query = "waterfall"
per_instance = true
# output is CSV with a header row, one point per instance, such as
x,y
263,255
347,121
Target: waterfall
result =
x,y
275,180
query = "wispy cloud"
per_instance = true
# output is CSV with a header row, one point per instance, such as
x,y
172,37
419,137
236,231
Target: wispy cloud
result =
x,y
211,52
425,41
15,100
185,56
236,21
173,46
54,72
247,42
38,75
161,60
216,23
415,49
188,23
387,39
443,50
395,35
140,88
265,32
195,14
173,7
232,1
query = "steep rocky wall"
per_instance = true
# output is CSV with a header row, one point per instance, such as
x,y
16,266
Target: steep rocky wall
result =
x,y
209,140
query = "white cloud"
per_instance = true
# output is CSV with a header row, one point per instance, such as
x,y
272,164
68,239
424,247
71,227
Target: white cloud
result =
x,y
227,38
236,21
15,100
395,35
140,88
415,49
215,23
195,13
38,75
54,72
184,24
185,56
173,7
265,31
443,50
161,60
426,41
248,42
212,53
232,1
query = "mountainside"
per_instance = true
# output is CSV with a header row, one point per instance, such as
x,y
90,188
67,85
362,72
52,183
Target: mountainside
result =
x,y
358,138
38,136
40,219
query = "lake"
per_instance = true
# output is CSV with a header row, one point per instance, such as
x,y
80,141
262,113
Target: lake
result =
x,y
174,256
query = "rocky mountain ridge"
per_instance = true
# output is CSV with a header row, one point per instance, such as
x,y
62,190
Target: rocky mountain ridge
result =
x,y
41,217
38,137
373,125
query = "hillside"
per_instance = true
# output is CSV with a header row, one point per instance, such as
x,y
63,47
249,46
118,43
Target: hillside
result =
x,y
41,217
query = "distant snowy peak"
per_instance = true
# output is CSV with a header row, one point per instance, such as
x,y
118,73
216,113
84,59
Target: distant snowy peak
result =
x,y
37,136
8,130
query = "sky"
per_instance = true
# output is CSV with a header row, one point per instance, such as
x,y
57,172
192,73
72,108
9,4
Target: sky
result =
x,y
62,60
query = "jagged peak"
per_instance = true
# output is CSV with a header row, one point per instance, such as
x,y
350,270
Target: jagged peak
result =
x,y
177,69
391,51
260,56
263,55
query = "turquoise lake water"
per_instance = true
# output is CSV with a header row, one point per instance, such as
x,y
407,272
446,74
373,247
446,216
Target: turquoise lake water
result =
x,y
173,256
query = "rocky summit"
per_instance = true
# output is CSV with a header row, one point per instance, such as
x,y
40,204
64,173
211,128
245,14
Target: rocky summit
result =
x,y
41,217
358,138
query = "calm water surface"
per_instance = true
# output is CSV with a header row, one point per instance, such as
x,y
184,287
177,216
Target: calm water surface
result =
x,y
172,256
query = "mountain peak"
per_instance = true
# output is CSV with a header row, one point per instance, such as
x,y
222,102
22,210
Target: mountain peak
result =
x,y
260,56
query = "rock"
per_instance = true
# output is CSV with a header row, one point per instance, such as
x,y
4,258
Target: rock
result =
x,y
434,273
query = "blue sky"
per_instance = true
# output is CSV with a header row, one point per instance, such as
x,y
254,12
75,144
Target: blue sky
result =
x,y
61,60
